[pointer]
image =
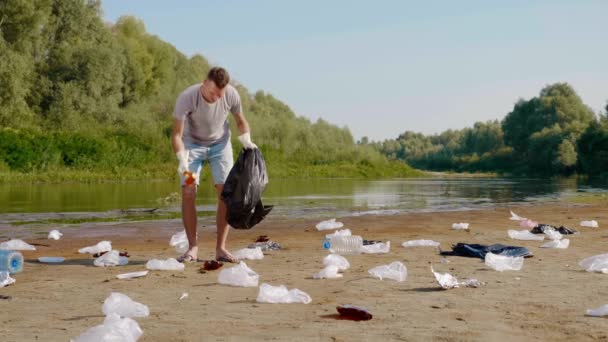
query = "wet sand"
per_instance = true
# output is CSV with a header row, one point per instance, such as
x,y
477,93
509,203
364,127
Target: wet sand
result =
x,y
546,300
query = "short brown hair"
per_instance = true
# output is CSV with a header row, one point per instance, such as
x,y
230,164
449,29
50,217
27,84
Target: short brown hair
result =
x,y
219,76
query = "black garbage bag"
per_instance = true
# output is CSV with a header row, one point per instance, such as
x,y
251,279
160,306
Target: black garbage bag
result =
x,y
479,251
540,229
243,190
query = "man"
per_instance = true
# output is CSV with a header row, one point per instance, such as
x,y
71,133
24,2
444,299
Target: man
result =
x,y
201,133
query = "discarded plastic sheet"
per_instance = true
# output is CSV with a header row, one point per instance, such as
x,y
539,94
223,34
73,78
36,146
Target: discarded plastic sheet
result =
x,y
460,226
524,235
183,296
552,234
515,217
329,224
448,281
17,245
111,258
124,306
180,242
5,279
280,295
341,232
266,246
239,275
354,313
504,263
55,234
395,271
590,224
598,312
527,223
103,246
114,328
420,243
329,272
596,263
249,254
561,244
336,260
170,264
51,260
479,251
376,248
132,275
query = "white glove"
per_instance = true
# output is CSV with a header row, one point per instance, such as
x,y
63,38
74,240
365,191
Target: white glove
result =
x,y
182,156
245,139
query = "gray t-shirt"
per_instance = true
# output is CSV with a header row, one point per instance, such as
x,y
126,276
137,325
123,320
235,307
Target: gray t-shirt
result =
x,y
206,123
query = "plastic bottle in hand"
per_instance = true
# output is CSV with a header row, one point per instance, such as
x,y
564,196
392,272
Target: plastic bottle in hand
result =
x,y
343,244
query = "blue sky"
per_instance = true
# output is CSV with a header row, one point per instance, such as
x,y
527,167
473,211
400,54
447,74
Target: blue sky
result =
x,y
383,67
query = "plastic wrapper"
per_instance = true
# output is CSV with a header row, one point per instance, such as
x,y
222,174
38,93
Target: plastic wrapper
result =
x,y
124,306
55,234
515,217
280,294
111,258
395,271
460,226
170,264
249,254
113,329
596,263
420,243
5,279
376,248
329,225
524,235
341,232
504,263
336,260
590,224
17,245
103,246
132,275
329,272
560,244
180,242
598,312
239,275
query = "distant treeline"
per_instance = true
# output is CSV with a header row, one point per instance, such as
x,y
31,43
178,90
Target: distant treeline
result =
x,y
554,133
78,94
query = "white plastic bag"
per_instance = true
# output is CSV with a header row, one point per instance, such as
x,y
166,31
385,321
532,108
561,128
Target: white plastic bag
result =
x,y
504,263
5,279
445,280
239,275
337,260
111,258
524,235
280,294
515,217
420,243
17,245
395,271
183,296
55,234
249,254
114,328
329,272
170,264
561,244
590,224
380,247
598,312
329,224
460,225
122,305
341,232
180,242
552,234
103,246
132,275
596,263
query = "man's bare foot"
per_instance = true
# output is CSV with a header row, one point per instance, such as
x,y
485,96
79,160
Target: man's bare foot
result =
x,y
189,256
225,256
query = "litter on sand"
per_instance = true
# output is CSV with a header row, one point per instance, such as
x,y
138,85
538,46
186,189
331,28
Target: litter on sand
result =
x,y
420,243
395,271
590,224
132,275
239,275
281,295
329,225
17,245
503,263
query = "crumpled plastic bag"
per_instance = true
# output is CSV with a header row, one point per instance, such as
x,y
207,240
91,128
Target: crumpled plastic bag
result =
x,y
515,217
598,312
448,281
461,225
111,258
103,246
122,305
17,245
329,224
376,248
55,234
329,272
180,242
132,275
249,254
5,279
524,235
504,263
337,260
596,263
552,234
420,243
239,275
561,244
114,328
341,232
590,224
527,223
280,294
395,271
170,264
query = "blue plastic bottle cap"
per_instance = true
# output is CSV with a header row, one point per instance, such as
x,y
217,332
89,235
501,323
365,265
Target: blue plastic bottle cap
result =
x,y
15,263
326,244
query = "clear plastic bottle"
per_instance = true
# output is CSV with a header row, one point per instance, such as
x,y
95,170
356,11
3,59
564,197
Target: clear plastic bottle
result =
x,y
344,244
11,261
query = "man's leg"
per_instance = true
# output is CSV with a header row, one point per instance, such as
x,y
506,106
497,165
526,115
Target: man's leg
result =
x,y
222,227
189,219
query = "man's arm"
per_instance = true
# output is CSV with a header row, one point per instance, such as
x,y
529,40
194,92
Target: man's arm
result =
x,y
241,123
176,135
